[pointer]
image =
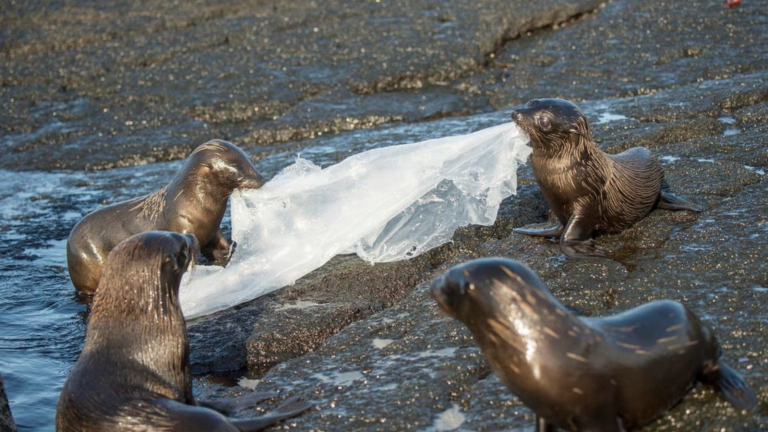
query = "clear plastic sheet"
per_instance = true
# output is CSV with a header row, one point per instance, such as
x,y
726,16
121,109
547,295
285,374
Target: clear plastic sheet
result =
x,y
385,205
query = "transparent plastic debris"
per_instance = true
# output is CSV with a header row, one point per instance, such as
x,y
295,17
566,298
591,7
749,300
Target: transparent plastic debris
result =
x,y
386,204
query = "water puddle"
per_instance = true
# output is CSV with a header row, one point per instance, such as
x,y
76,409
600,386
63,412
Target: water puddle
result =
x,y
730,128
450,419
381,343
670,159
445,352
607,117
339,379
248,383
758,171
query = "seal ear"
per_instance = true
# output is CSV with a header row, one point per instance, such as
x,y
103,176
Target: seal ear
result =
x,y
171,262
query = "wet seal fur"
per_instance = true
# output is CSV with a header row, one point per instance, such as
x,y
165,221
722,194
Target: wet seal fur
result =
x,y
606,374
193,202
591,192
133,373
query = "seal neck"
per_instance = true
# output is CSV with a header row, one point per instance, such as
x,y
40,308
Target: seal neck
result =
x,y
530,328
207,197
140,319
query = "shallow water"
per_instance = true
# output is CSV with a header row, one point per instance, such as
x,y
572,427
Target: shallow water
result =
x,y
42,318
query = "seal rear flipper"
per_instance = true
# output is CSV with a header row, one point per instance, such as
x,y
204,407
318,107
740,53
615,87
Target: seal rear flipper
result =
x,y
531,230
731,385
291,408
668,201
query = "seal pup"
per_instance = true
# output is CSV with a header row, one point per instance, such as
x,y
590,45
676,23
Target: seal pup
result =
x,y
193,202
590,192
610,374
133,373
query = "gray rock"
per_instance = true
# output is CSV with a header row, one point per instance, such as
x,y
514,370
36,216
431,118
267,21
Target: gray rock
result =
x,y
129,87
6,418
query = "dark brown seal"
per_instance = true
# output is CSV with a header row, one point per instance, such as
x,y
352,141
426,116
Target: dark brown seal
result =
x,y
133,373
584,374
193,202
590,192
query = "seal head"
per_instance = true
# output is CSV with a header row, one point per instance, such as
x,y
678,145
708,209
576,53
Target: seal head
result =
x,y
554,125
581,374
590,192
133,373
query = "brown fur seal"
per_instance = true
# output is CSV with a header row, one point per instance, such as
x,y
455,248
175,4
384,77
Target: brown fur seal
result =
x,y
193,202
584,374
133,373
590,192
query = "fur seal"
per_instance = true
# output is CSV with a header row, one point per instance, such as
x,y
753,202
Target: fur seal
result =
x,y
606,374
193,202
590,192
133,373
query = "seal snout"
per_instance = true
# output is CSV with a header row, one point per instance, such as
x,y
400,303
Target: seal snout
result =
x,y
252,180
439,289
517,116
449,291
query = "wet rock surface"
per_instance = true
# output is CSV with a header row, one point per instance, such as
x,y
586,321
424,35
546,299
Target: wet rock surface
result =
x,y
90,86
6,418
96,86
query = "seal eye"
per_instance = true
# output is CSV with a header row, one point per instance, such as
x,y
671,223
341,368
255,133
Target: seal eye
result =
x,y
170,261
544,124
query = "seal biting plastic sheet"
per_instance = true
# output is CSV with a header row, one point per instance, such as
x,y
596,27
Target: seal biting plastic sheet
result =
x,y
385,204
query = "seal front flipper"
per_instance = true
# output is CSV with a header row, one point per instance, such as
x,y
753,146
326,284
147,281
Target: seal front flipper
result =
x,y
668,201
218,249
731,385
577,242
291,408
531,230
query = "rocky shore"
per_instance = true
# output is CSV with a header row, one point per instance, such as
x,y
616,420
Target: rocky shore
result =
x,y
89,87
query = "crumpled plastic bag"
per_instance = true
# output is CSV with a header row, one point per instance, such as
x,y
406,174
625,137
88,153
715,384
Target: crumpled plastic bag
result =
x,y
385,204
